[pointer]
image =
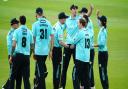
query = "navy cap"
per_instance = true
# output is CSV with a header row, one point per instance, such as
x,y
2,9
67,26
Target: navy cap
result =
x,y
83,10
103,18
14,21
62,15
73,7
39,10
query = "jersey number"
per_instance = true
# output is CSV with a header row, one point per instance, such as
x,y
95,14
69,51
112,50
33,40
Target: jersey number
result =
x,y
43,34
87,43
24,42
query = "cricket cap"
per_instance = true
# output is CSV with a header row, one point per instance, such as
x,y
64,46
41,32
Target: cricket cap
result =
x,y
14,21
62,15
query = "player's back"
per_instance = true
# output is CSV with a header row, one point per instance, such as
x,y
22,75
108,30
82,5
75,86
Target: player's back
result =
x,y
42,29
23,37
83,46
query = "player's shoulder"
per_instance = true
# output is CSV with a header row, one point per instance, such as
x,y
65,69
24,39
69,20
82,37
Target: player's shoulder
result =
x,y
36,22
9,32
17,30
103,29
57,25
47,21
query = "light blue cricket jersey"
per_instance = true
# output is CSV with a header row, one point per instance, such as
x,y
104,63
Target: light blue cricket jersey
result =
x,y
9,40
42,29
24,38
102,39
82,42
58,33
91,33
71,28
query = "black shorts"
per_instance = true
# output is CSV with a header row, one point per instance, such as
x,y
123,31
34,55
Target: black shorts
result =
x,y
57,55
20,64
82,71
40,66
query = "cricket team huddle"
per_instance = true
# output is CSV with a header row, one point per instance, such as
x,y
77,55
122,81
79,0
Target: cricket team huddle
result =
x,y
45,40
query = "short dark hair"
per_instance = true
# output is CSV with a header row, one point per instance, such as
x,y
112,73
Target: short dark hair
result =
x,y
22,20
83,22
62,15
39,11
73,7
103,20
14,21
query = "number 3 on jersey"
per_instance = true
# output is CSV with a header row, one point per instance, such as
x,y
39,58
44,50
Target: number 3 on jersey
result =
x,y
43,33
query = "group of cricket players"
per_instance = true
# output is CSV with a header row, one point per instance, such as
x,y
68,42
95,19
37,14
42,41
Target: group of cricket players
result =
x,y
71,36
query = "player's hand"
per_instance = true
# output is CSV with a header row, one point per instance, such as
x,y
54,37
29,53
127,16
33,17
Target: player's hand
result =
x,y
10,60
97,13
92,6
34,57
50,55
72,46
67,46
96,45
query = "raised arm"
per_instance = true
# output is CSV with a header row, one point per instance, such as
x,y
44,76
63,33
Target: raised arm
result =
x,y
98,17
90,10
98,14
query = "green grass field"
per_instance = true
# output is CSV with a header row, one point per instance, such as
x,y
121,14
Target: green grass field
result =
x,y
115,10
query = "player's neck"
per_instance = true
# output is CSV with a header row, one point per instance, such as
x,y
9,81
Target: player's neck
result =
x,y
73,16
39,16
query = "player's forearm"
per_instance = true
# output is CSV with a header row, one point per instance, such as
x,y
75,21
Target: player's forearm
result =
x,y
96,45
32,49
90,11
52,44
63,44
98,14
34,44
13,49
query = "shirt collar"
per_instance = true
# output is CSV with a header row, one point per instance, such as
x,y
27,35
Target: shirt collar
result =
x,y
40,18
12,29
60,24
23,26
102,28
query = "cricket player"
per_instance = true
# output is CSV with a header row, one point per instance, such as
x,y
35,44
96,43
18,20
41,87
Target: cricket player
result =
x,y
22,42
43,45
71,30
14,25
81,70
84,12
58,28
102,50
